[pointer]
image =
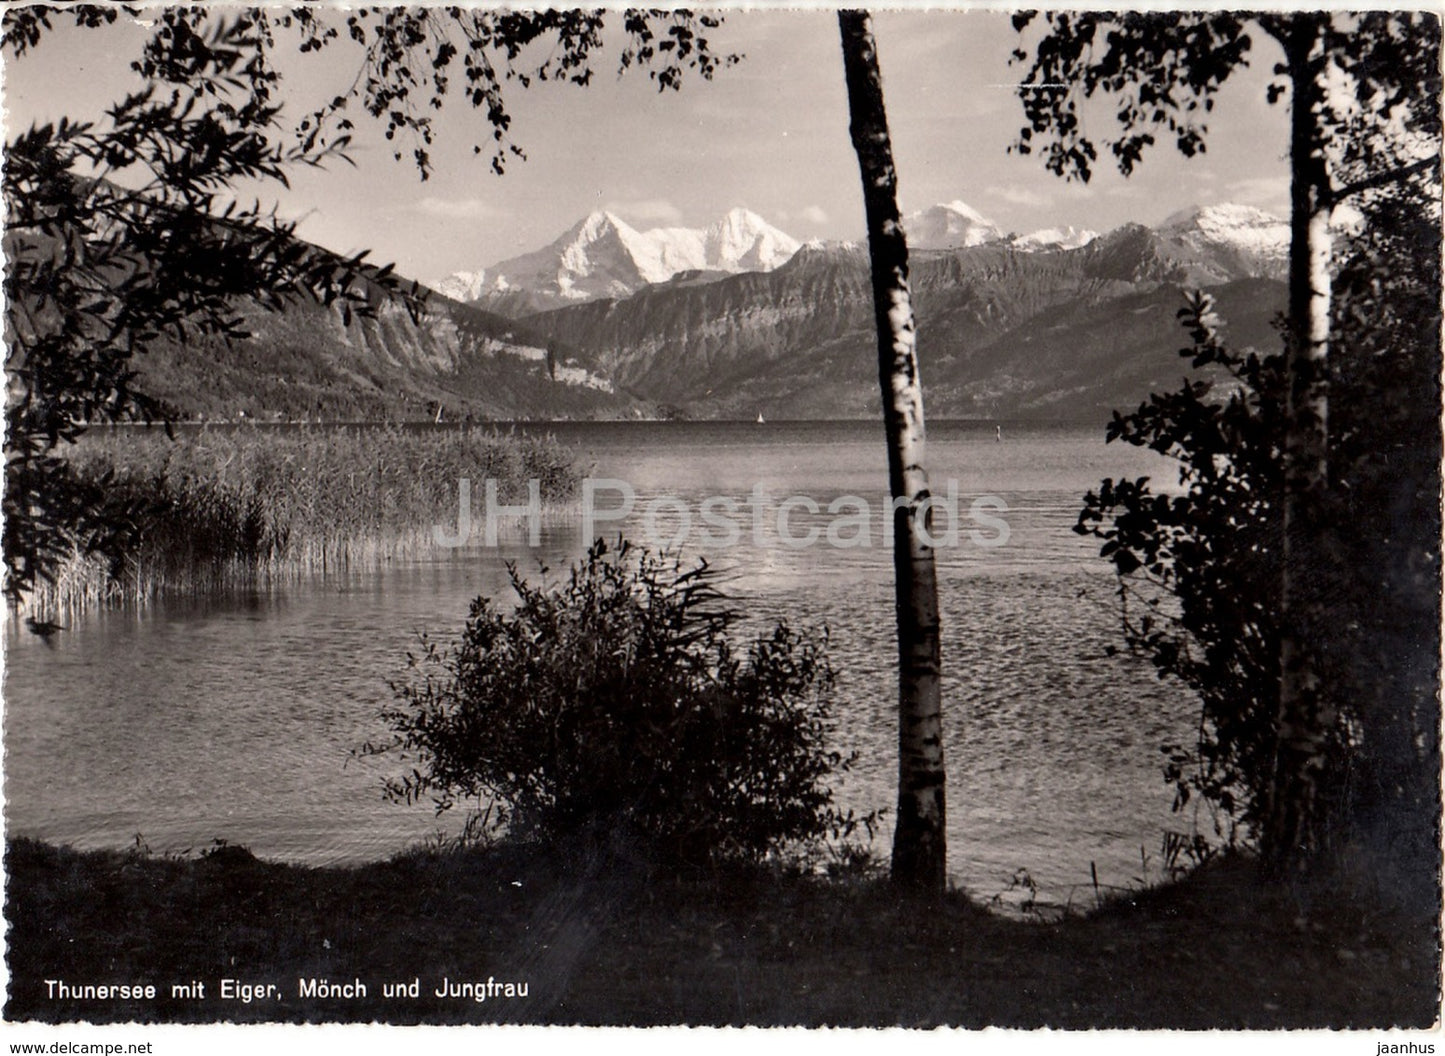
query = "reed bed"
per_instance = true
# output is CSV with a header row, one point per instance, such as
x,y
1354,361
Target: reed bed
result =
x,y
241,507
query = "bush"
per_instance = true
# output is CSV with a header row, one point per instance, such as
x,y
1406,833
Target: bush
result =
x,y
1200,571
611,708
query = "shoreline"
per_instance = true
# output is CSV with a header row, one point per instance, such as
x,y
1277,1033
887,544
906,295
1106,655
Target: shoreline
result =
x,y
218,510
614,943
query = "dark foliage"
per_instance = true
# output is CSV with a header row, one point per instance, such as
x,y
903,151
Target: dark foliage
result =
x,y
1160,69
1384,529
742,946
1159,73
1199,571
1309,563
416,58
612,709
122,232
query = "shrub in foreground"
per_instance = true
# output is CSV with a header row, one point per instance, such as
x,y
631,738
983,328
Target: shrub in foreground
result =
x,y
612,707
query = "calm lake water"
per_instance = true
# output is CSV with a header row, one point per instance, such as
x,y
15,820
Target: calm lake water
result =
x,y
235,717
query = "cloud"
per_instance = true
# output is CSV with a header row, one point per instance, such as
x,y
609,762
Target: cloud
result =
x,y
813,214
1020,196
647,211
1262,191
455,208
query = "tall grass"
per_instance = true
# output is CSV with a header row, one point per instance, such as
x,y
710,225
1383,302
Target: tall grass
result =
x,y
237,507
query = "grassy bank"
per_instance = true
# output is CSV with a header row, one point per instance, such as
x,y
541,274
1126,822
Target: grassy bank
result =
x,y
613,945
229,507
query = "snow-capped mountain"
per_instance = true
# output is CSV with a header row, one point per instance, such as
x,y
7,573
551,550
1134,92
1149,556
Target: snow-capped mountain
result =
x,y
604,256
599,256
1062,331
462,286
835,245
744,241
1242,238
1055,238
951,225
740,241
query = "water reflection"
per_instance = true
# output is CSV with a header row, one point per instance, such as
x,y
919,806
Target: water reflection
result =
x,y
236,717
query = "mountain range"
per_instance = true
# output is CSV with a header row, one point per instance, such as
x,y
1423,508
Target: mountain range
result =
x,y
603,256
737,319
1004,330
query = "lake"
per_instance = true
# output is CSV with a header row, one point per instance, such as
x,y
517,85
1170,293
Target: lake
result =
x,y
235,717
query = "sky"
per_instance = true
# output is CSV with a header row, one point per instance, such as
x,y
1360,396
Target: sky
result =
x,y
770,134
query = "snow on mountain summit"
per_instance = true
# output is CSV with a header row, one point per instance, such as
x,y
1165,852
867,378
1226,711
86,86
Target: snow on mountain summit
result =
x,y
1055,238
596,257
743,241
1257,239
951,225
963,209
462,286
604,256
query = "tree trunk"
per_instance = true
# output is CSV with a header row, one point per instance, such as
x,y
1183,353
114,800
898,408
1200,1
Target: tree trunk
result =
x,y
918,840
1292,836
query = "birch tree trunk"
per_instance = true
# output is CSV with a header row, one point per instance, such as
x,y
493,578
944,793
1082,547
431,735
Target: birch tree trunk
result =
x,y
1305,720
918,840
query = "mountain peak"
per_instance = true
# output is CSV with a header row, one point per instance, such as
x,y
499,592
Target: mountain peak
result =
x,y
1220,213
963,209
950,225
1055,238
603,256
743,241
599,222
1242,237
737,222
741,214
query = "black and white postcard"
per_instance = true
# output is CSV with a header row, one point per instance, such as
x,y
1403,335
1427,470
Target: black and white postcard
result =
x,y
720,518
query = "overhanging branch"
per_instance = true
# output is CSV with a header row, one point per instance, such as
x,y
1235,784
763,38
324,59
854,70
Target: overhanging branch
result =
x,y
1383,179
